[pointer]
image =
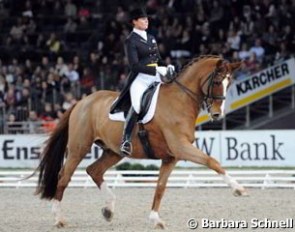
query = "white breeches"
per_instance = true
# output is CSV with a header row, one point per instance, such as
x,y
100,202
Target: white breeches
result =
x,y
139,85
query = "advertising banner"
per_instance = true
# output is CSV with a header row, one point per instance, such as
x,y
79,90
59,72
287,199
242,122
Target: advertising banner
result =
x,y
255,87
268,148
260,85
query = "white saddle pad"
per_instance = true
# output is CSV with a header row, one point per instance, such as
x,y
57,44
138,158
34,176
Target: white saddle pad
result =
x,y
149,115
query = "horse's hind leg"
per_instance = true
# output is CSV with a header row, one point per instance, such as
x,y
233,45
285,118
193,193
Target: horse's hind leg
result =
x,y
165,171
74,157
96,170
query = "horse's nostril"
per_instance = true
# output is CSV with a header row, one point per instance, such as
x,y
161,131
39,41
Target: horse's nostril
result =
x,y
215,115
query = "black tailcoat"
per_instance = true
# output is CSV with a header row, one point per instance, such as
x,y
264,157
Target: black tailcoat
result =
x,y
139,53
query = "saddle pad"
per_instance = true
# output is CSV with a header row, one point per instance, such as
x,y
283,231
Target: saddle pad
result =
x,y
149,115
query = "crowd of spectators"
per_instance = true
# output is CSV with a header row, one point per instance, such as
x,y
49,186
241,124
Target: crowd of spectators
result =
x,y
55,52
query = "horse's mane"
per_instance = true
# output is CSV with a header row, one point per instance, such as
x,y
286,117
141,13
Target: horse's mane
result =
x,y
196,59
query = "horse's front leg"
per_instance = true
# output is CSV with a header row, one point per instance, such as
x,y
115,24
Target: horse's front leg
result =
x,y
165,171
186,151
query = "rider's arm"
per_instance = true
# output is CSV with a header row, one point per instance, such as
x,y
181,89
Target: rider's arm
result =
x,y
132,56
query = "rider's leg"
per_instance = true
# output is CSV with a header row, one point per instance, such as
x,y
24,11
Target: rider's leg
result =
x,y
137,88
131,119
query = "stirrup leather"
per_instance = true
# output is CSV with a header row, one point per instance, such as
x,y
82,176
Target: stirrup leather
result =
x,y
126,148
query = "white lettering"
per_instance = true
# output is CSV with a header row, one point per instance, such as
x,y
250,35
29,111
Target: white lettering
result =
x,y
223,223
270,224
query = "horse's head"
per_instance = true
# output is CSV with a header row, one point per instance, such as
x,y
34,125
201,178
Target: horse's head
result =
x,y
215,85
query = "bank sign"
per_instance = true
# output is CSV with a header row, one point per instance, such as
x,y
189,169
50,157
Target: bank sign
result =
x,y
250,148
231,148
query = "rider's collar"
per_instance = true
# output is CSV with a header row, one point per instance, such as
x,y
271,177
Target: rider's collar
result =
x,y
142,33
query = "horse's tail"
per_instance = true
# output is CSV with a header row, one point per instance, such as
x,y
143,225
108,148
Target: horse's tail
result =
x,y
52,158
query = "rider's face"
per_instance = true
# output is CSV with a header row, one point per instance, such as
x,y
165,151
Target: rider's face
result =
x,y
141,23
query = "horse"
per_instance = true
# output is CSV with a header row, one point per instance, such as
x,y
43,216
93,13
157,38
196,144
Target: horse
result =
x,y
171,134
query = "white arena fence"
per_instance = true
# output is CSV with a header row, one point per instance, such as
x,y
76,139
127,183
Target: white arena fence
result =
x,y
178,179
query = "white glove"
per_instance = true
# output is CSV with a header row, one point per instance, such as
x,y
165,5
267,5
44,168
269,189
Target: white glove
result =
x,y
171,66
162,70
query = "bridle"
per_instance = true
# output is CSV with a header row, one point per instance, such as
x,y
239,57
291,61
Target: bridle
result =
x,y
209,96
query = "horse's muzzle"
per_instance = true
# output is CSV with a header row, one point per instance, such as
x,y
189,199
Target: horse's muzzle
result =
x,y
215,116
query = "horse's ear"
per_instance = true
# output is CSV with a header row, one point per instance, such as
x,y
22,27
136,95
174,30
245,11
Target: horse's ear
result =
x,y
235,66
219,63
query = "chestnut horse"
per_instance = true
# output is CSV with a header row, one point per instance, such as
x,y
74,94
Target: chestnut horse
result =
x,y
171,132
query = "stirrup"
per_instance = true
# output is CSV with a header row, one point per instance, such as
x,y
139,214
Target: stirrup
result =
x,y
126,148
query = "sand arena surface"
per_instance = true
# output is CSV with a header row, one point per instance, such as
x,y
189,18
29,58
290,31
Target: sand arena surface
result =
x,y
21,211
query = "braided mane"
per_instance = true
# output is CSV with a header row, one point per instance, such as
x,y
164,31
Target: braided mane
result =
x,y
196,59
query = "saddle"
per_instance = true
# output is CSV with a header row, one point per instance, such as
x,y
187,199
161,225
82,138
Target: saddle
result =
x,y
143,133
146,99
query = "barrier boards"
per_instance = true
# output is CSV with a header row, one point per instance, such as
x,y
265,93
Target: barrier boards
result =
x,y
231,148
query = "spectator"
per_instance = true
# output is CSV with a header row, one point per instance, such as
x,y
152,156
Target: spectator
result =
x,y
72,74
12,124
244,53
288,37
69,101
242,72
59,114
61,68
10,98
28,12
33,123
282,54
4,13
270,39
48,114
70,9
53,43
3,85
77,65
258,50
41,42
252,63
121,15
122,81
31,27
234,40
83,24
70,26
58,8
84,12
216,14
17,31
87,80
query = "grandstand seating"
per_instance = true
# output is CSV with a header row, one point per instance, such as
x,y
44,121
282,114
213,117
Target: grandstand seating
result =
x,y
104,57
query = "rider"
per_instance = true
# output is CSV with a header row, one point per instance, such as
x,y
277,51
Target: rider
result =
x,y
143,59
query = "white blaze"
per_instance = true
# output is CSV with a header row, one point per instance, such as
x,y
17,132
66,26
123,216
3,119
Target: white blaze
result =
x,y
225,85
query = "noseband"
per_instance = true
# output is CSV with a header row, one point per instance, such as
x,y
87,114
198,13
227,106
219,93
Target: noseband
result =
x,y
209,96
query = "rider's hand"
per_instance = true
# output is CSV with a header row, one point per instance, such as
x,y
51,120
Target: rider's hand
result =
x,y
171,66
162,70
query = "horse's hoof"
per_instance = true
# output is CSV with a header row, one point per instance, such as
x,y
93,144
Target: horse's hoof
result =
x,y
60,224
160,225
240,193
107,214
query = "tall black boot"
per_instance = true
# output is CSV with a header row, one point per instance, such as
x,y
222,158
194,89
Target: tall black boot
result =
x,y
131,119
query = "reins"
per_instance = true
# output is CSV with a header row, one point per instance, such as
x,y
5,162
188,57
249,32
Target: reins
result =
x,y
209,95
